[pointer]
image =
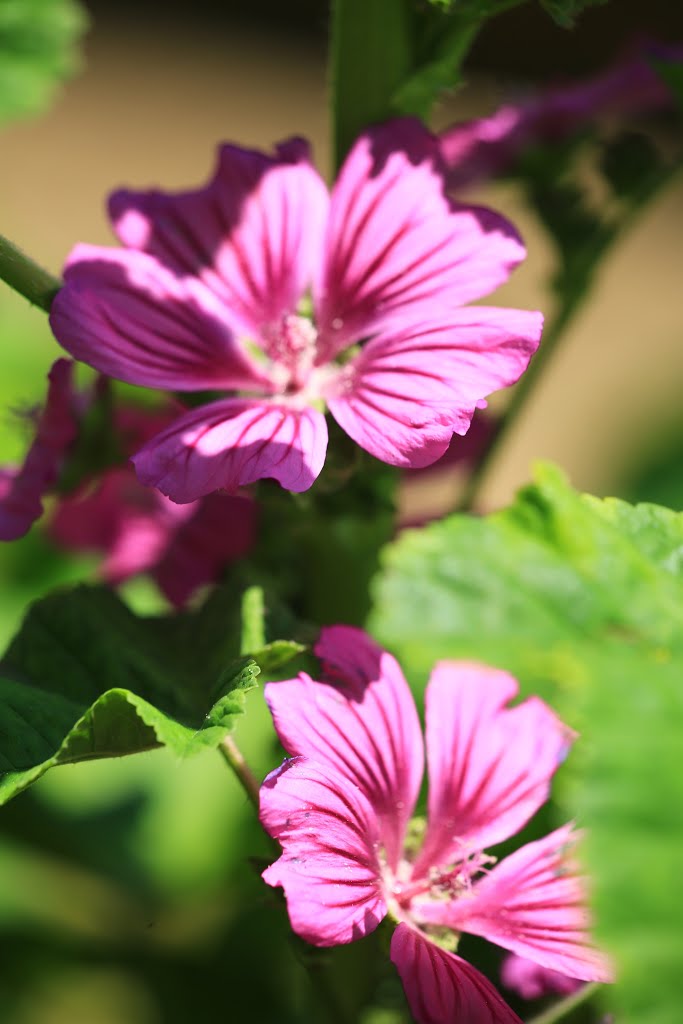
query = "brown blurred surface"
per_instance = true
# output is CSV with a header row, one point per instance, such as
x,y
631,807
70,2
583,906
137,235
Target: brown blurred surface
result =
x,y
148,110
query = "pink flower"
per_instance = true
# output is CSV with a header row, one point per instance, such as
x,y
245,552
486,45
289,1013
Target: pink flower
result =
x,y
531,981
137,528
484,147
262,286
22,489
341,807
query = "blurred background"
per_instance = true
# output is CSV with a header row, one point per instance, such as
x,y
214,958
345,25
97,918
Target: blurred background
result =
x,y
124,885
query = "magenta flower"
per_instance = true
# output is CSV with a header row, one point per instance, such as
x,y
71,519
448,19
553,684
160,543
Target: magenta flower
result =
x,y
261,287
22,489
482,148
341,807
136,528
531,981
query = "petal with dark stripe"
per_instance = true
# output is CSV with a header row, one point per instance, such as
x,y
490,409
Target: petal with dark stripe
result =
x,y
329,868
441,988
360,719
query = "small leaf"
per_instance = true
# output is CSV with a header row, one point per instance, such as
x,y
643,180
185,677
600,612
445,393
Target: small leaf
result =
x,y
38,49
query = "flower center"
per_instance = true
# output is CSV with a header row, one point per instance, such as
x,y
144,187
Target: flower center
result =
x,y
290,344
439,883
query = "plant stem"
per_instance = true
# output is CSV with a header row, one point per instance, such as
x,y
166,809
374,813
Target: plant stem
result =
x,y
26,277
371,54
327,996
566,1005
246,778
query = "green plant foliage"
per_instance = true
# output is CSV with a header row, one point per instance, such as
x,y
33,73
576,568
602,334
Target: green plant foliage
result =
x,y
84,678
672,73
582,599
38,49
565,12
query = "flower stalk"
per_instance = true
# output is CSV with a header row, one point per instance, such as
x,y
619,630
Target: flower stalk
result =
x,y
25,276
565,1006
246,778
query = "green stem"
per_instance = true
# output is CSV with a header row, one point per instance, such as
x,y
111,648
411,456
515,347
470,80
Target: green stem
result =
x,y
327,996
26,277
371,54
246,778
566,1006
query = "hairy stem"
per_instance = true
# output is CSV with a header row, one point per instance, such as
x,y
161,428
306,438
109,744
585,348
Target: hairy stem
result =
x,y
566,1006
26,277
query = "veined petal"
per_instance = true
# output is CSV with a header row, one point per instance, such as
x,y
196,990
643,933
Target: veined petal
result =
x,y
329,868
22,490
231,443
360,718
412,387
489,766
395,242
253,235
534,904
442,988
133,319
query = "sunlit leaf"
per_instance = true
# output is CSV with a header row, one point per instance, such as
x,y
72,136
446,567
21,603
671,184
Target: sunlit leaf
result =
x,y
38,50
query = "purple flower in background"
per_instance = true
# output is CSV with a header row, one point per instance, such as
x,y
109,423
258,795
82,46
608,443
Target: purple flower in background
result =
x,y
22,489
289,299
485,147
136,528
531,981
341,807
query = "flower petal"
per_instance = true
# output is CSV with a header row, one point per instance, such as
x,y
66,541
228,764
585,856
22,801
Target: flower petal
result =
x,y
360,719
489,766
442,988
231,443
253,235
220,530
531,981
131,318
533,903
129,523
22,490
412,387
329,867
396,243
483,148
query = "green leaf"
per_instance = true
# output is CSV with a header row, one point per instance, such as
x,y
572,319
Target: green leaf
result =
x,y
672,73
38,49
440,71
582,599
84,678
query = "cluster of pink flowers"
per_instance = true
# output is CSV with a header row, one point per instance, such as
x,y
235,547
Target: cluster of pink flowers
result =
x,y
341,806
